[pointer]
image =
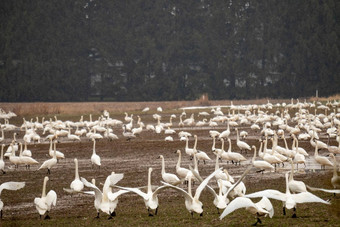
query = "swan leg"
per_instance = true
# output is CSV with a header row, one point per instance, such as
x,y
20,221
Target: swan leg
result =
x,y
156,211
257,221
97,215
284,210
218,210
47,216
192,214
3,171
150,215
1,214
201,214
48,171
294,215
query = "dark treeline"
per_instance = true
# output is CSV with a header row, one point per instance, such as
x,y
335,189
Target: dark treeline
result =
x,y
152,50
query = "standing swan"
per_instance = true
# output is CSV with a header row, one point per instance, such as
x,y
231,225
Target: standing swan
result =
x,y
76,185
241,144
150,197
48,164
44,204
106,201
168,177
289,200
95,159
192,203
2,163
261,164
323,161
9,186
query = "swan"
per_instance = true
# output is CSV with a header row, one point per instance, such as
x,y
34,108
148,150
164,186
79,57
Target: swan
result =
x,y
181,172
44,204
26,152
27,161
234,156
106,200
2,138
11,185
58,154
109,135
13,158
200,155
168,177
261,164
189,151
95,159
150,197
76,185
335,179
323,161
192,203
241,144
225,133
72,136
295,186
221,199
2,163
48,164
289,200
128,135
261,208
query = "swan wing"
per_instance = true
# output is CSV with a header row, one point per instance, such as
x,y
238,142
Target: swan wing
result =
x,y
115,195
51,198
269,193
237,203
205,182
200,179
115,178
336,191
265,203
239,180
186,194
11,185
159,189
98,194
307,197
135,190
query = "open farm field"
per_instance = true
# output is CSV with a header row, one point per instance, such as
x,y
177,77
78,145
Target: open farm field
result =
x,y
134,157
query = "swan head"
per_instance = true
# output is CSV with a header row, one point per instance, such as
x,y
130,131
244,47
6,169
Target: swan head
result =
x,y
150,170
178,151
75,160
161,156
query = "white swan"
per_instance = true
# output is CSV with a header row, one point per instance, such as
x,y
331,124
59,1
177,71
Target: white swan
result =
x,y
294,185
261,208
335,179
106,201
72,137
225,133
48,164
44,204
234,156
128,135
261,164
168,177
241,144
26,152
76,185
95,159
11,185
59,155
200,155
13,158
27,161
2,163
181,172
192,203
150,197
289,200
221,199
189,151
323,161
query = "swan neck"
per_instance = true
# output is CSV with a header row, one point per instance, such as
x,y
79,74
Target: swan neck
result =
x,y
287,187
189,186
179,159
149,180
229,150
20,154
55,150
163,165
43,194
76,167
214,141
254,153
217,166
94,146
316,150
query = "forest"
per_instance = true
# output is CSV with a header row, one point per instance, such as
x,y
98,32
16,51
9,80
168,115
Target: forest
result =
x,y
157,50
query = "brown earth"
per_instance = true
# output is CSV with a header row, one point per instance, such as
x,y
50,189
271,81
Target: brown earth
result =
x,y
133,158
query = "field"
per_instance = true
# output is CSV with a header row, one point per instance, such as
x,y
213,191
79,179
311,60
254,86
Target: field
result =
x,y
133,158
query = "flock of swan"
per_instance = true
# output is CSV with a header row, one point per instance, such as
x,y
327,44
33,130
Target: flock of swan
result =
x,y
267,124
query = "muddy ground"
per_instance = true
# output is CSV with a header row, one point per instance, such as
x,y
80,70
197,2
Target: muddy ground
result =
x,y
133,158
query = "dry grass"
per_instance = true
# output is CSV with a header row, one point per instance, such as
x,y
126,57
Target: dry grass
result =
x,y
73,108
